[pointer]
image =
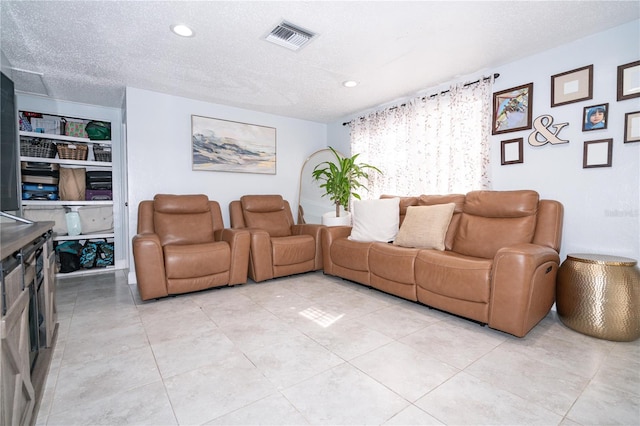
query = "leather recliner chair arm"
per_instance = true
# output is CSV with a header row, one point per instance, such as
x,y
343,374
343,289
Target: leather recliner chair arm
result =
x,y
523,283
316,232
328,235
149,260
239,241
261,257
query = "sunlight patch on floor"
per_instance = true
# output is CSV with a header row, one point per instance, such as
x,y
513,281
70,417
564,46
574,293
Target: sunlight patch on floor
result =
x,y
320,317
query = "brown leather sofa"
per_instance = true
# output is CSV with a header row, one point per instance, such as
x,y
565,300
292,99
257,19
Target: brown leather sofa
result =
x,y
278,246
182,246
498,268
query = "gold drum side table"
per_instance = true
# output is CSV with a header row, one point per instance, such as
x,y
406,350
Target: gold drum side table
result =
x,y
599,295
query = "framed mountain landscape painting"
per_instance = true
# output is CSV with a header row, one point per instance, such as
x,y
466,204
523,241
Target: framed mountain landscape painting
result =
x,y
229,146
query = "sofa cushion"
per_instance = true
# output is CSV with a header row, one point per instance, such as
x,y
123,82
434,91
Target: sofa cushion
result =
x,y
392,263
453,275
196,260
375,220
495,219
293,249
350,254
425,226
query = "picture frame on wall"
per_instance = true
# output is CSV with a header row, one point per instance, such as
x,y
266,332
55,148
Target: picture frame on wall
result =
x,y
511,151
632,127
572,86
229,146
512,109
629,81
597,153
595,117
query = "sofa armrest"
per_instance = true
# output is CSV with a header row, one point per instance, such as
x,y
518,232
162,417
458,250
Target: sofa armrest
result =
x,y
260,255
316,232
522,287
239,241
328,235
148,257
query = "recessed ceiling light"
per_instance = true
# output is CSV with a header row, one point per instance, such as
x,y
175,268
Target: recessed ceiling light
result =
x,y
182,30
349,83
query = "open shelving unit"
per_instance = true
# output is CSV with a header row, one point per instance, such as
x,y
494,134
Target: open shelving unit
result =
x,y
89,164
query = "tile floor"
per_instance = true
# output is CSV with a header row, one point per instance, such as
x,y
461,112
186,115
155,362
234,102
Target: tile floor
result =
x,y
313,349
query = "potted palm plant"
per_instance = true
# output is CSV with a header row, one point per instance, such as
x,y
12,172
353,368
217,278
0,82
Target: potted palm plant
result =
x,y
340,180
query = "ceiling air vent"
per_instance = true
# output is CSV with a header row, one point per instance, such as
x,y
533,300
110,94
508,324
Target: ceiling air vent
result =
x,y
29,81
290,36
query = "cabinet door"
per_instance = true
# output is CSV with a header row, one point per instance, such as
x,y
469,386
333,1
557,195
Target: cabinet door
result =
x,y
50,308
18,396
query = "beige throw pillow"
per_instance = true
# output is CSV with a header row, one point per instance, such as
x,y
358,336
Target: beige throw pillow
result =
x,y
425,226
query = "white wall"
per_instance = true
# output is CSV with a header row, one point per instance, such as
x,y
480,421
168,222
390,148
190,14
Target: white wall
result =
x,y
159,153
601,204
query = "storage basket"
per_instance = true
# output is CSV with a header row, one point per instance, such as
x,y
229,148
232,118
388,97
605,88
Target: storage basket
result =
x,y
68,151
102,153
37,148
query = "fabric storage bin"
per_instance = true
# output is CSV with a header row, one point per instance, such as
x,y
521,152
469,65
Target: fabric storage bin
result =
x,y
72,184
98,194
45,214
75,129
95,219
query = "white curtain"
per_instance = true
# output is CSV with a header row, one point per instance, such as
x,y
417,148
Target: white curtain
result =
x,y
432,145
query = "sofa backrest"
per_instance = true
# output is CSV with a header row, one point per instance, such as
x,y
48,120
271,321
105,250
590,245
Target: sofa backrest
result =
x,y
268,212
404,203
494,219
180,219
458,200
549,226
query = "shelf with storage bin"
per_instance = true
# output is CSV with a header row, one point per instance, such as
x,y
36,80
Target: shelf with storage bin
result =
x,y
88,163
101,149
63,138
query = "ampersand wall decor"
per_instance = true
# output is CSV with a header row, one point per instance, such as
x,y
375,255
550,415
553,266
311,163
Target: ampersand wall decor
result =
x,y
542,126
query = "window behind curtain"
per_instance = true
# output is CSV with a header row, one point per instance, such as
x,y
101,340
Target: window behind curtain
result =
x,y
433,145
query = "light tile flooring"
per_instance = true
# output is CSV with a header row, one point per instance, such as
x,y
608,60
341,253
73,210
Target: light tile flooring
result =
x,y
314,349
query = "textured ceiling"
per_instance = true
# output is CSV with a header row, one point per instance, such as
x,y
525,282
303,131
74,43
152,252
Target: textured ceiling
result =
x,y
89,51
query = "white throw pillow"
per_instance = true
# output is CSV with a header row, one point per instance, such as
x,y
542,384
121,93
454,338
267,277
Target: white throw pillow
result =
x,y
375,220
425,226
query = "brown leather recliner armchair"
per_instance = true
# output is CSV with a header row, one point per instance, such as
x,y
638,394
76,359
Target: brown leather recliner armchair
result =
x,y
278,246
182,246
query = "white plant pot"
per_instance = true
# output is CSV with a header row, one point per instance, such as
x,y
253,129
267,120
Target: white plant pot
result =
x,y
330,219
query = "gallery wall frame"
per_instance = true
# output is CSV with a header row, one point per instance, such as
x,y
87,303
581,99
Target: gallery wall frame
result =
x,y
511,151
629,81
597,153
512,109
572,86
632,127
595,117
230,146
